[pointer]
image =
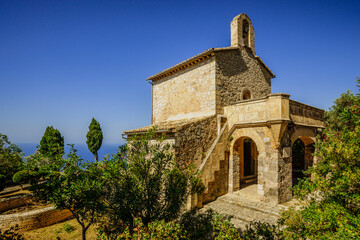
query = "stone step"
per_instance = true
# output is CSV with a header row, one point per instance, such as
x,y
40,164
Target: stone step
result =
x,y
243,210
235,199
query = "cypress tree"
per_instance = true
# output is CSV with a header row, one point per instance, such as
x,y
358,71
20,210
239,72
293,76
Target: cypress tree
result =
x,y
94,138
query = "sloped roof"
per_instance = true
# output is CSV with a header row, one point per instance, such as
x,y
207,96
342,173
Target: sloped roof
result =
x,y
200,58
166,127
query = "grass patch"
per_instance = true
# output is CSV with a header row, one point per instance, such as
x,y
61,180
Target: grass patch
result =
x,y
60,231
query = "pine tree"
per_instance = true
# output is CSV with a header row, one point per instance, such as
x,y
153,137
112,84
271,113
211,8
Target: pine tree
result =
x,y
94,138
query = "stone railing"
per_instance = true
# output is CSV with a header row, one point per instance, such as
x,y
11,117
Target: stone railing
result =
x,y
274,107
271,109
306,115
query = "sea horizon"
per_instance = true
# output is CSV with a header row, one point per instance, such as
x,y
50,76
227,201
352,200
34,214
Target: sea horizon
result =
x,y
82,150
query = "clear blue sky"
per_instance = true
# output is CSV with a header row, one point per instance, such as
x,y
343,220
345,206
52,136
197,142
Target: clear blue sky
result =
x,y
64,62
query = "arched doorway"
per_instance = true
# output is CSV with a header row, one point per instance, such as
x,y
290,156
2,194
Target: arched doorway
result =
x,y
302,158
245,162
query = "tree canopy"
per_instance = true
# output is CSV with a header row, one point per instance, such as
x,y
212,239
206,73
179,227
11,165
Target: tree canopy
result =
x,y
143,180
94,138
10,159
52,143
76,187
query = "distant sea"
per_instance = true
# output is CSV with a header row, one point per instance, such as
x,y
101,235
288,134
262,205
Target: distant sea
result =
x,y
82,150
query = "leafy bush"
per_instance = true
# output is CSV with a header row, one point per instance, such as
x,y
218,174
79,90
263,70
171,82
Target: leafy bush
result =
x,y
21,177
10,158
42,164
332,194
143,180
199,226
262,230
223,229
159,229
68,228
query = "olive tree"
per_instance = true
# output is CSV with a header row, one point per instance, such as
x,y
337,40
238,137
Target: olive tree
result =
x,y
144,180
77,187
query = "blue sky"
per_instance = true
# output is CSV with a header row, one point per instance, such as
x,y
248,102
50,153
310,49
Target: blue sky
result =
x,y
64,62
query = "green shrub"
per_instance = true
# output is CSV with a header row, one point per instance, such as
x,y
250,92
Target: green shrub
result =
x,y
68,228
262,230
332,195
21,177
223,229
10,158
155,230
198,225
34,176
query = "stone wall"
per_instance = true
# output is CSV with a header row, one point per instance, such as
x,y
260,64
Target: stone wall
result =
x,y
285,165
237,70
14,201
34,219
193,140
215,167
186,94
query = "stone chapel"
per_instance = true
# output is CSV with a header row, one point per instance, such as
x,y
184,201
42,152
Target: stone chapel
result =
x,y
218,110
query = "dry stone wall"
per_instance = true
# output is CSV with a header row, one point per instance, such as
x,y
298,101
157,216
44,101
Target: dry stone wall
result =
x,y
34,219
14,201
193,140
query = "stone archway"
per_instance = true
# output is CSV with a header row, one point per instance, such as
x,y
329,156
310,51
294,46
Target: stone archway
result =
x,y
245,156
307,135
247,151
302,157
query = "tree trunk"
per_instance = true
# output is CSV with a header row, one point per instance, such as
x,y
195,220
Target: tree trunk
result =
x,y
96,157
83,233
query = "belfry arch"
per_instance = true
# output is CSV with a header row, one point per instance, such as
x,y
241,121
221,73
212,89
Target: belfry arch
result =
x,y
242,32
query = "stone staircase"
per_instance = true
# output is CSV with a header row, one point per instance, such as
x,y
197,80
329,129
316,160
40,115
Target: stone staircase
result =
x,y
215,167
244,210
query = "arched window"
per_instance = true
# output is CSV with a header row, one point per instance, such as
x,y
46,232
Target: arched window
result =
x,y
246,95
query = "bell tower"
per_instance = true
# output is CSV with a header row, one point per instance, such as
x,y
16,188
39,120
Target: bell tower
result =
x,y
242,32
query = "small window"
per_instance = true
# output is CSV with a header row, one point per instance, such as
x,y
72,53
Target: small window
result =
x,y
246,95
